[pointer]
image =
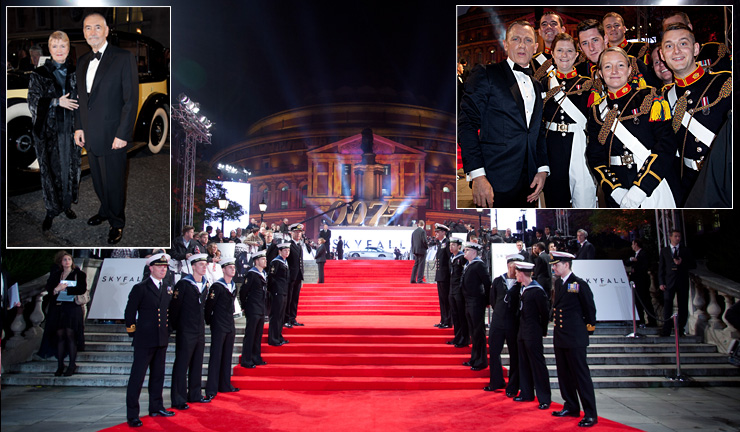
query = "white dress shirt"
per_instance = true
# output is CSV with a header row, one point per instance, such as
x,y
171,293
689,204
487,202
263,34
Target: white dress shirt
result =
x,y
92,68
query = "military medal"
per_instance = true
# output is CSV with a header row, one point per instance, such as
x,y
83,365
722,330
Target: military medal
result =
x,y
704,102
635,120
573,287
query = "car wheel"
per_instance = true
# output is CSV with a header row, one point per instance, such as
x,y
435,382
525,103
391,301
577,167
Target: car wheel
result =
x,y
159,128
355,255
381,256
21,153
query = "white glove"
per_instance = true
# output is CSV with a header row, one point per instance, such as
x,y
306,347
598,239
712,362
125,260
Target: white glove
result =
x,y
634,197
618,194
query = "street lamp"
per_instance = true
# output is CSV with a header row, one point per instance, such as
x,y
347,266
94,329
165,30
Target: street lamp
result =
x,y
223,204
480,219
263,209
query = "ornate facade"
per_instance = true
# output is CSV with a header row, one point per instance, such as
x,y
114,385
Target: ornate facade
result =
x,y
306,159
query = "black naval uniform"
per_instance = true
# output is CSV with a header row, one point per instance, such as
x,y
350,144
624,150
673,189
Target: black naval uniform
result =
x,y
457,301
504,327
636,79
639,50
295,262
715,57
565,113
219,314
252,298
278,281
442,276
688,99
188,320
533,318
574,316
475,283
151,335
616,163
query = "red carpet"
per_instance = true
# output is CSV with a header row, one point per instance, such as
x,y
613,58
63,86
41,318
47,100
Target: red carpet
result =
x,y
373,364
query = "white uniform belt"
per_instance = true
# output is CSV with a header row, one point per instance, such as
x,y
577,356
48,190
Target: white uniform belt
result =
x,y
698,130
563,127
691,163
622,160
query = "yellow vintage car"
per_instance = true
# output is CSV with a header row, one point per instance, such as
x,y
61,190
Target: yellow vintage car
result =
x,y
152,122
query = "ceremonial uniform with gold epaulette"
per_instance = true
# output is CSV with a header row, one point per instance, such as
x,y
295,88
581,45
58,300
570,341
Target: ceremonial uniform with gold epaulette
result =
x,y
442,277
630,148
146,317
457,301
565,113
700,105
715,57
219,315
188,321
252,296
542,63
574,316
278,280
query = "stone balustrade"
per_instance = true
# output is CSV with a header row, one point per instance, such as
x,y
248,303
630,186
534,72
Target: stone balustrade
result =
x,y
710,296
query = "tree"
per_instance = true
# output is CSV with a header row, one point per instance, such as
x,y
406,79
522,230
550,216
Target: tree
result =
x,y
214,192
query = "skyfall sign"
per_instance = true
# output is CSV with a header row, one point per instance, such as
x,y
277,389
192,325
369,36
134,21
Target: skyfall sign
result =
x,y
611,287
117,277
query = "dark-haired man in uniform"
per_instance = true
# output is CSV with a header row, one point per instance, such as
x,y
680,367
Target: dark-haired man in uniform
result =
x,y
713,56
615,29
442,275
551,25
457,301
146,322
574,318
252,297
219,314
700,103
278,285
295,262
475,284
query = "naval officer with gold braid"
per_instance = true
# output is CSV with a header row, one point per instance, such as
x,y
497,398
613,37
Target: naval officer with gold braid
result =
x,y
630,147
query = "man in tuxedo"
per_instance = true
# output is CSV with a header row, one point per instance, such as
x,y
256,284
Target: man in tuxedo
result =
x,y
585,249
639,275
325,233
320,258
673,277
295,264
146,317
506,162
108,89
419,250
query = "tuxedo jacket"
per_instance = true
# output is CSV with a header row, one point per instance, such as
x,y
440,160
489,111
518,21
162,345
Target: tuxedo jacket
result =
x,y
493,104
640,268
573,308
587,251
219,308
419,244
109,110
672,275
146,314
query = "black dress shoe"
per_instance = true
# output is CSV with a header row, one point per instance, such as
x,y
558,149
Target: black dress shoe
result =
x,y
445,326
461,345
566,413
477,368
296,323
115,235
134,422
203,399
96,220
71,369
262,363
588,422
451,342
490,388
211,396
181,407
60,371
232,390
46,225
248,366
70,214
510,394
543,406
289,325
467,363
286,341
162,413
521,399
438,325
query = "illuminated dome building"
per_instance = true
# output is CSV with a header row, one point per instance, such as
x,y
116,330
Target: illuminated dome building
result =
x,y
303,160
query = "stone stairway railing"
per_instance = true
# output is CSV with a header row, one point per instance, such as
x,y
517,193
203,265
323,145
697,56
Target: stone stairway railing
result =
x,y
710,297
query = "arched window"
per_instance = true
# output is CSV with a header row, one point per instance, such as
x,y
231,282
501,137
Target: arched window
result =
x,y
284,197
446,198
304,192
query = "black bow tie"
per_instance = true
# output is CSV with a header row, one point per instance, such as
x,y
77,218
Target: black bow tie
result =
x,y
527,70
98,55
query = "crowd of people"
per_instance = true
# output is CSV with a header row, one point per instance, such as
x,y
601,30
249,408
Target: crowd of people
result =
x,y
596,111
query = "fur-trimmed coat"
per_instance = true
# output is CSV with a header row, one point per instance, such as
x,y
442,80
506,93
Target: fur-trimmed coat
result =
x,y
53,136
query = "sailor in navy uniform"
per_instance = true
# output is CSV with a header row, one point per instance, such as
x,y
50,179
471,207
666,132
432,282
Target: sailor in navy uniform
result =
x,y
475,283
278,280
442,274
146,317
630,147
570,183
504,328
700,103
574,318
188,320
219,314
713,56
534,316
457,301
252,297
